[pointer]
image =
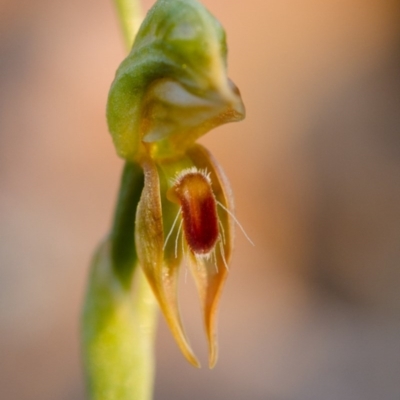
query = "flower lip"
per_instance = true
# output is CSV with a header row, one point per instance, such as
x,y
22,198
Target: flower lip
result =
x,y
192,190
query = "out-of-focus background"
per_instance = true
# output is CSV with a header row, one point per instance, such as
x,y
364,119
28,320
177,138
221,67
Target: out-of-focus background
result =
x,y
313,311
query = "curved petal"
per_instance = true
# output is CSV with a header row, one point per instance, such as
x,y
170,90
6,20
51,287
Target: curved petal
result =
x,y
162,276
210,274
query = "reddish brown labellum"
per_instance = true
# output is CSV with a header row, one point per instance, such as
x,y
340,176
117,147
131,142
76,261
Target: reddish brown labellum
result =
x,y
193,191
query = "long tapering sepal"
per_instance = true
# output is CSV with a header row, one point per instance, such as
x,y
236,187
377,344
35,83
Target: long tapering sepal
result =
x,y
162,276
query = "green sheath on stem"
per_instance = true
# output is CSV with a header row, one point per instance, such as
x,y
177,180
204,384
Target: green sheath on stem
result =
x,y
118,334
123,251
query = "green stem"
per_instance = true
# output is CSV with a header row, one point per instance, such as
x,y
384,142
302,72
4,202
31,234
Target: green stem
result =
x,y
119,316
130,16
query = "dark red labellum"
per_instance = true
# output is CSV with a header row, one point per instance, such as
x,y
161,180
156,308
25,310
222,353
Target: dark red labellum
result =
x,y
198,210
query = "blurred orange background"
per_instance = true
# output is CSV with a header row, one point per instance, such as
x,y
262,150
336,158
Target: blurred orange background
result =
x,y
311,312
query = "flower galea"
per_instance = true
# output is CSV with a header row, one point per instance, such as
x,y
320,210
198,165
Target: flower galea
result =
x,y
170,90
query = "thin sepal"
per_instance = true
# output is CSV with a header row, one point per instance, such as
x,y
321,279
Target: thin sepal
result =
x,y
162,276
210,273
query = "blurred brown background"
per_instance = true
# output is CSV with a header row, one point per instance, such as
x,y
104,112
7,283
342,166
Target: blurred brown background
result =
x,y
311,312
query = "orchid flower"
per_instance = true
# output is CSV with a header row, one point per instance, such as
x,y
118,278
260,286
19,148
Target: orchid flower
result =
x,y
175,204
171,89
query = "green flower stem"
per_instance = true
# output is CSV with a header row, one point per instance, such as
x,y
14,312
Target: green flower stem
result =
x,y
130,15
120,311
